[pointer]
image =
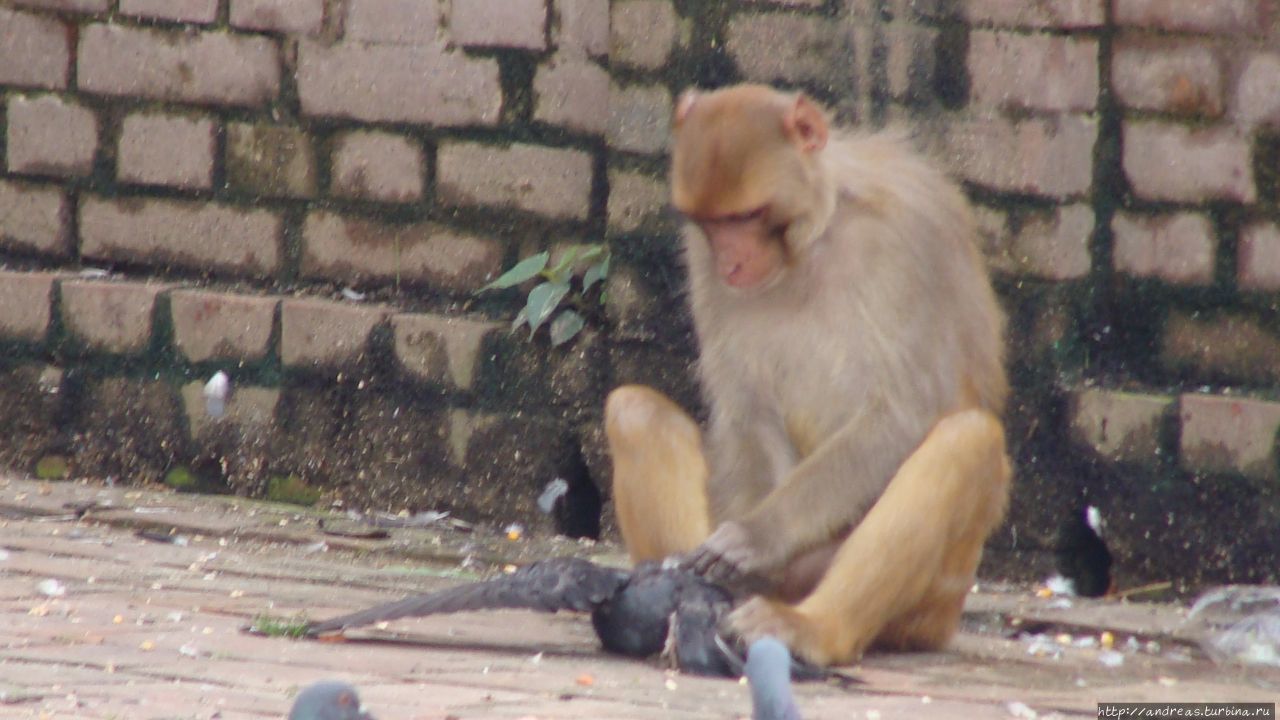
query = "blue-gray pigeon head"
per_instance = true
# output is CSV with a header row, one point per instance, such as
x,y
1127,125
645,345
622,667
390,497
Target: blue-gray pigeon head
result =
x,y
769,674
328,700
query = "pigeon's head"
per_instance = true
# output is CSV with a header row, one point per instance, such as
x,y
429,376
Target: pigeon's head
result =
x,y
328,700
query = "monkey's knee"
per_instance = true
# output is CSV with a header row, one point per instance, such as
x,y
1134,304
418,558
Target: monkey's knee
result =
x,y
636,414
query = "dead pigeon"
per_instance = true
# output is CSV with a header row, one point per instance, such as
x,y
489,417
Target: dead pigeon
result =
x,y
652,609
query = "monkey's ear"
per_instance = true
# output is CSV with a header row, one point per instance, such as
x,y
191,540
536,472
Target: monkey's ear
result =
x,y
684,105
806,124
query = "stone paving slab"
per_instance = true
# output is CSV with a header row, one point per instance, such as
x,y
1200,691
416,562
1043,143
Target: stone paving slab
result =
x,y
147,629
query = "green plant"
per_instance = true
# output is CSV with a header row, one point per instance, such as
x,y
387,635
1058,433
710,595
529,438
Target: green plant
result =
x,y
589,263
273,626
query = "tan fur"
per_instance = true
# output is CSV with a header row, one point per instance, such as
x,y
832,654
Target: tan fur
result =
x,y
823,384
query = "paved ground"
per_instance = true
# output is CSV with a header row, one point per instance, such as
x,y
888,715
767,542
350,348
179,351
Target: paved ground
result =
x,y
102,623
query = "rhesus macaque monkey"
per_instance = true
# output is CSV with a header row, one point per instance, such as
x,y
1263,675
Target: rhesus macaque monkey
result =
x,y
851,357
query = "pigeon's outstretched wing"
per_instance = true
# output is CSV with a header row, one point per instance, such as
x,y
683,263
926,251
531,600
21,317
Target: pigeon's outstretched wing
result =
x,y
565,583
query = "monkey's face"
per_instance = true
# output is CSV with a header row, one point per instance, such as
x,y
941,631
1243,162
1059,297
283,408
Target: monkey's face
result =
x,y
741,171
747,252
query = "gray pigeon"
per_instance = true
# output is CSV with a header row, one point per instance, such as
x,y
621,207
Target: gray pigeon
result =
x,y
637,613
328,700
769,674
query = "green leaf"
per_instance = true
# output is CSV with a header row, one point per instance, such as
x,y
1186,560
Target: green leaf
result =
x,y
561,272
526,269
565,326
591,252
522,318
543,300
595,274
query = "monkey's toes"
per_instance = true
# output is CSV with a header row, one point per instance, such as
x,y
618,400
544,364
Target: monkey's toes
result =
x,y
759,617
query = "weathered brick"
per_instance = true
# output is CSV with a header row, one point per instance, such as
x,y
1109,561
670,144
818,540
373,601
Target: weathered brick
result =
x,y
1063,14
1047,72
995,239
323,334
35,51
554,182
213,67
582,26
1170,75
358,250
162,149
1044,156
1054,244
82,6
112,317
1171,162
1257,96
1120,426
50,136
771,47
405,22
912,51
1191,15
1259,258
1220,346
297,17
572,92
219,326
251,410
636,200
195,235
377,166
1229,435
271,160
398,83
639,118
26,300
35,218
192,11
499,23
1177,248
642,33
440,349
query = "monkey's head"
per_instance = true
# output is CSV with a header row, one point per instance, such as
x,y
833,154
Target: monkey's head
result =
x,y
745,170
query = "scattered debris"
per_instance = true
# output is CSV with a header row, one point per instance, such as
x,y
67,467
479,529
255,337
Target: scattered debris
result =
x,y
1239,624
551,494
353,295
514,531
1021,710
51,588
1111,658
215,394
170,538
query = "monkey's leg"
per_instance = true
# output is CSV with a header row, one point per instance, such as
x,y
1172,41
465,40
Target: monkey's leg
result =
x,y
659,473
900,578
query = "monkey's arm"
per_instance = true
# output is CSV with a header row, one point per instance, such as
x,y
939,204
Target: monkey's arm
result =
x,y
549,585
825,495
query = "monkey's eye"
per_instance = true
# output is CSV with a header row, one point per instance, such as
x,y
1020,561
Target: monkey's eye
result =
x,y
742,217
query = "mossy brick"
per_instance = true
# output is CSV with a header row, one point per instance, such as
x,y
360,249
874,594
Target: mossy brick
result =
x,y
270,160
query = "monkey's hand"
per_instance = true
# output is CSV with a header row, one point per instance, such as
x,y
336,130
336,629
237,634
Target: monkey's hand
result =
x,y
729,559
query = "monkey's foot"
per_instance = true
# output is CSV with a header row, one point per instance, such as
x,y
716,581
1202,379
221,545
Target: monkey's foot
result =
x,y
759,617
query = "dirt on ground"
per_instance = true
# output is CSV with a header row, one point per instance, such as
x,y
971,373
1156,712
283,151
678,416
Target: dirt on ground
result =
x,y
128,603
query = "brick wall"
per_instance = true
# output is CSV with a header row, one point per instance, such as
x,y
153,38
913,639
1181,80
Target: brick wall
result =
x,y
305,194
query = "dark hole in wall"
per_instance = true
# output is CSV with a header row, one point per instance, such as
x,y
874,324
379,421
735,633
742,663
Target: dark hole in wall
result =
x,y
576,512
951,67
1082,555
